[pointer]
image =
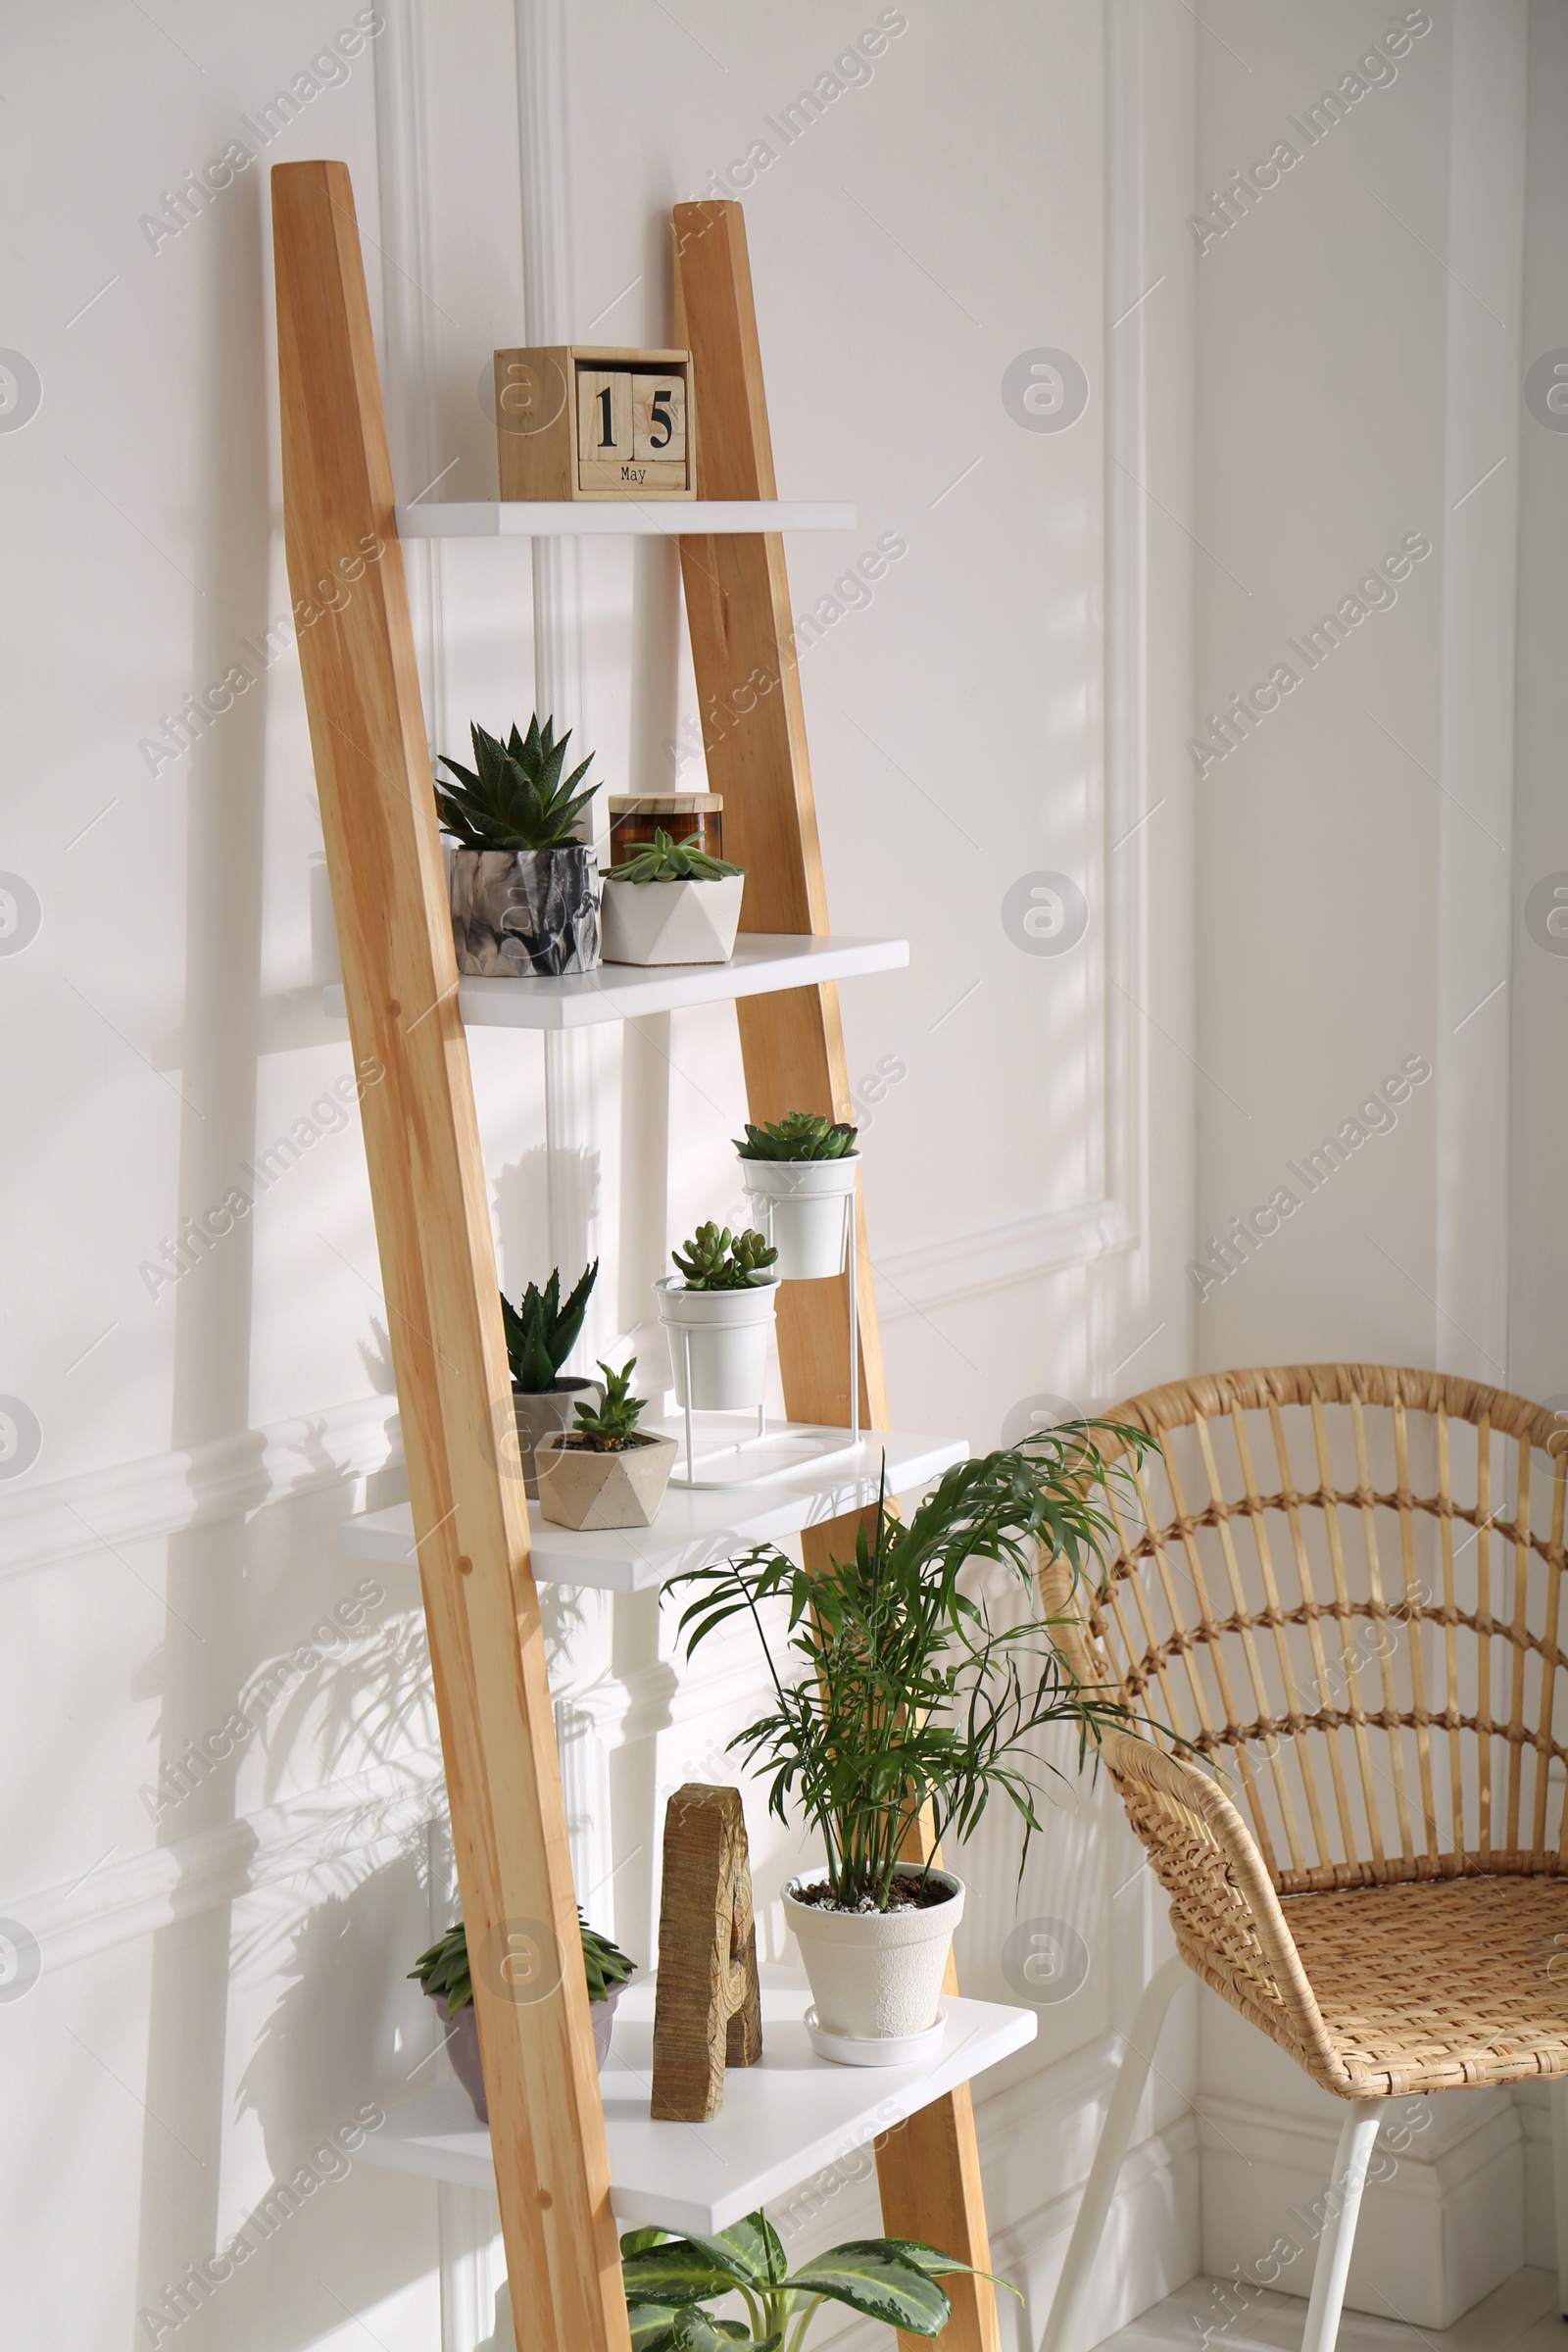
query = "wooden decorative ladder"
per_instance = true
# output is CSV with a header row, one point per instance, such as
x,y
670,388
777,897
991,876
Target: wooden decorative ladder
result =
x,y
432,1218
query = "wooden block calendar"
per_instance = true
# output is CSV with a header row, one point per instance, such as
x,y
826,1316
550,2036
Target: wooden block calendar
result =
x,y
574,421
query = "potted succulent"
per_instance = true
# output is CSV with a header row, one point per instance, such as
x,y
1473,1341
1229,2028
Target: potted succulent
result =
x,y
717,1309
541,1334
605,1471
443,1973
670,2280
907,1700
799,1175
524,889
671,903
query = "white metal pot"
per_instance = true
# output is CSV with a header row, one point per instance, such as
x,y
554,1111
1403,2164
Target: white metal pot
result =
x,y
876,1975
804,1207
670,922
725,1334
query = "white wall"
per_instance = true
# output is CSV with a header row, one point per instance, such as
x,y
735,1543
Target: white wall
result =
x,y
225,1983
1366,855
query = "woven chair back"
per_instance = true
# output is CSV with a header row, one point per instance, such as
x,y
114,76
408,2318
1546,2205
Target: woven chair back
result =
x,y
1342,1583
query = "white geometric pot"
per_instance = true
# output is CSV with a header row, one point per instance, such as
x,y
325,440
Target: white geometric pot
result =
x,y
727,1333
670,922
876,1975
799,1205
581,1486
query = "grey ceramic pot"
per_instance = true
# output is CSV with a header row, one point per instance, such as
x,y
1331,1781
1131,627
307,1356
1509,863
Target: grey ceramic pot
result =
x,y
521,911
463,2043
542,1411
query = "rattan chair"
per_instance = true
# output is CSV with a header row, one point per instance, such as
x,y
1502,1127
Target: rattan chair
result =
x,y
1340,1585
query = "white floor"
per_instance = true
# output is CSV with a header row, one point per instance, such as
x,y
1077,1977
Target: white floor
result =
x,y
1520,2317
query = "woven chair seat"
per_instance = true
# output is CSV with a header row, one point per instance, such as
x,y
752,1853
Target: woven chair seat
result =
x,y
1437,1987
1352,1710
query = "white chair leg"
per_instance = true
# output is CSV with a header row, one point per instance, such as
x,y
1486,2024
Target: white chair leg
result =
x,y
1335,2246
1115,2134
1557,2092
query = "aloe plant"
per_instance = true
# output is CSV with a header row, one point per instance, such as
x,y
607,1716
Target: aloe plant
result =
x,y
444,1968
668,861
541,1333
798,1135
614,1424
713,1260
514,797
669,2281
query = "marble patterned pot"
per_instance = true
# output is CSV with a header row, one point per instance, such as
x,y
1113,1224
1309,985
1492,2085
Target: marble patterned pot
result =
x,y
518,912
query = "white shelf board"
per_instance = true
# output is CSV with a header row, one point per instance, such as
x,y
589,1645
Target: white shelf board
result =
x,y
693,1529
783,2119
763,962
664,518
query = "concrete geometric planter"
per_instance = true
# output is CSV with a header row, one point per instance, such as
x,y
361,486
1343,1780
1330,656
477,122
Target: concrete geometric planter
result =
x,y
581,1486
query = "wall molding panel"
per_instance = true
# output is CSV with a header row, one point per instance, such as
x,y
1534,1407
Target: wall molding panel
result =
x,y
165,1493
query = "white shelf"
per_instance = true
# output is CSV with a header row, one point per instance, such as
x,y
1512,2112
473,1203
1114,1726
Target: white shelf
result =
x,y
763,961
695,1528
784,2120
662,518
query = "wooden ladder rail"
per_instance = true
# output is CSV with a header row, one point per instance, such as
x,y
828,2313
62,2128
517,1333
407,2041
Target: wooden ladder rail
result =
x,y
433,1220
792,1043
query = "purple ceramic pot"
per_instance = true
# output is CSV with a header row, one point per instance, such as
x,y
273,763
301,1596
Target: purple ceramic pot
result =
x,y
463,2043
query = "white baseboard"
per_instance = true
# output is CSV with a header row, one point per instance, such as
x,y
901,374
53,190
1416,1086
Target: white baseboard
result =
x,y
1440,2230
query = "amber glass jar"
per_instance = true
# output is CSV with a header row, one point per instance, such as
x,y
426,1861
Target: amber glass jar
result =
x,y
635,817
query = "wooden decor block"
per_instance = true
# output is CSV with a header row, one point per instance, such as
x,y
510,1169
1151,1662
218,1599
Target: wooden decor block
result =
x,y
707,2009
578,421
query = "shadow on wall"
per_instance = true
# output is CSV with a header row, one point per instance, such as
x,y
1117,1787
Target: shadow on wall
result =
x,y
351,2029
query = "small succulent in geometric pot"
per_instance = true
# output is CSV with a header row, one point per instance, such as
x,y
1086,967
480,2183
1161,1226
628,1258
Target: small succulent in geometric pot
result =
x,y
444,1974
541,1333
671,903
799,1176
524,889
718,1311
605,1471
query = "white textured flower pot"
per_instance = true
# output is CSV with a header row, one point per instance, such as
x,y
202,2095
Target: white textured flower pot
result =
x,y
670,922
581,1487
876,1975
799,1205
727,1332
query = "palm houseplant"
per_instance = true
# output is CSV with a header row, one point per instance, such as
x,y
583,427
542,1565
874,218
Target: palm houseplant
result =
x,y
443,1972
524,888
605,1471
718,1311
541,1333
799,1175
899,1697
672,2282
671,903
